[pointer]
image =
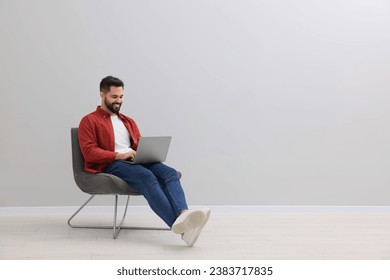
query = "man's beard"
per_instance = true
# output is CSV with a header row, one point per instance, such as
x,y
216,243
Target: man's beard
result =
x,y
113,107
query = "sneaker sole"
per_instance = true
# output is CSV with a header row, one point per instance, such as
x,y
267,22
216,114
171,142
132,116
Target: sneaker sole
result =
x,y
199,230
193,220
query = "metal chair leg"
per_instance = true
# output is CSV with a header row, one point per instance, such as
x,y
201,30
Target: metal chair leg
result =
x,y
78,210
116,229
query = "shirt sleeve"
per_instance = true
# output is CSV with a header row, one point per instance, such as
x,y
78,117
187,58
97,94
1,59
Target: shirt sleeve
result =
x,y
89,147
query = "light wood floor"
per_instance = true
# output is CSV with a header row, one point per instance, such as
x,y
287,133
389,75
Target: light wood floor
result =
x,y
227,236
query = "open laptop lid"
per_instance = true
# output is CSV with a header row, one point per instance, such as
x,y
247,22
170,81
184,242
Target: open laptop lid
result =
x,y
152,149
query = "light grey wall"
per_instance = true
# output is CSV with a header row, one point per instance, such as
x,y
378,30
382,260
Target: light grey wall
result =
x,y
269,102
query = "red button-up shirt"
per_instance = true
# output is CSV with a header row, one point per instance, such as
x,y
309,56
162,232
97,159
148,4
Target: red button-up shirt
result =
x,y
97,142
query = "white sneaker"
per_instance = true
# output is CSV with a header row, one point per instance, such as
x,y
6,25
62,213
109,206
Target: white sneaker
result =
x,y
188,220
191,236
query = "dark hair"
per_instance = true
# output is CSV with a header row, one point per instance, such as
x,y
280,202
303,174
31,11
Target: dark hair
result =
x,y
109,81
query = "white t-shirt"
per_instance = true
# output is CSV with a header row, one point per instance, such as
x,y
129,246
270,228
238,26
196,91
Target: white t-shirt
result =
x,y
121,135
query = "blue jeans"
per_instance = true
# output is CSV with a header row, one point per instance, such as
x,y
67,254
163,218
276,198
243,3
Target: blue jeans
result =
x,y
158,183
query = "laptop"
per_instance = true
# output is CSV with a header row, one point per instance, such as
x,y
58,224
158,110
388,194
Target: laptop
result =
x,y
151,149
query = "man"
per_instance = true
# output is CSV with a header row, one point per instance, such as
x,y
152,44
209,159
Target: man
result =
x,y
108,138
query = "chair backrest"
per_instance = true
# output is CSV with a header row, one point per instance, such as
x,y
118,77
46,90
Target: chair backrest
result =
x,y
77,156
